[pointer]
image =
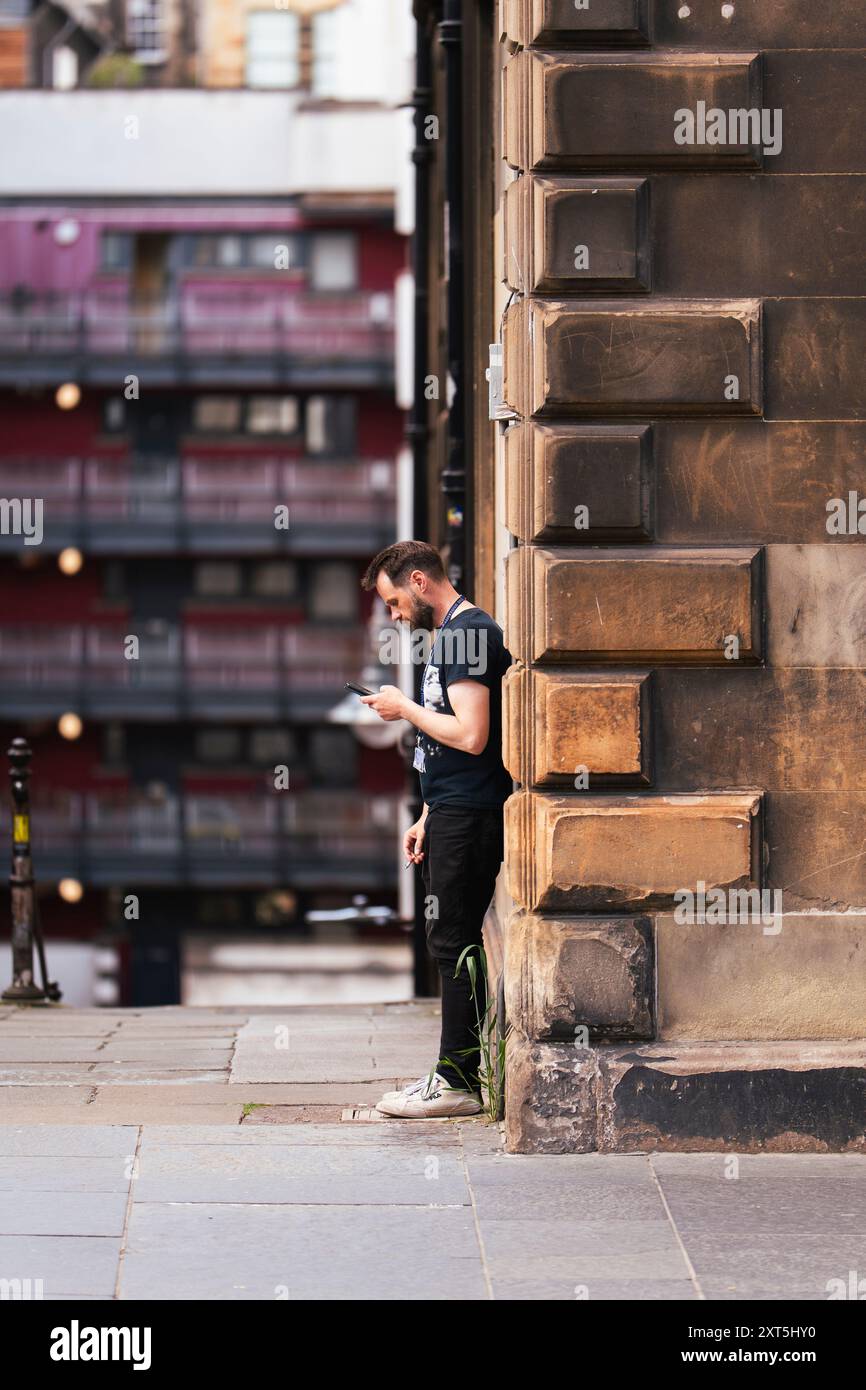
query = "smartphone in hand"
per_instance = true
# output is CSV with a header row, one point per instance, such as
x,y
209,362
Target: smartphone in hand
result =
x,y
359,689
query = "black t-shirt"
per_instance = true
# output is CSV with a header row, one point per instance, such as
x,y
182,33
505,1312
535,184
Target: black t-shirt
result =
x,y
469,647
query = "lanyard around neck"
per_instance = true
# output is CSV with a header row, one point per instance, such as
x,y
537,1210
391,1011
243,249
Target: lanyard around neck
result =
x,y
456,604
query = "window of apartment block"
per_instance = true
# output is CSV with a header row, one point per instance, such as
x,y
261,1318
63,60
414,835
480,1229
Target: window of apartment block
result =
x,y
145,30
217,745
114,414
64,69
334,592
350,43
273,415
275,579
331,425
273,49
115,251
268,747
274,251
113,744
216,414
218,579
333,755
334,261
223,251
114,580
220,909
275,909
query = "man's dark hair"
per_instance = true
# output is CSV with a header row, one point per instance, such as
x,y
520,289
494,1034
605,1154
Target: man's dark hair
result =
x,y
400,559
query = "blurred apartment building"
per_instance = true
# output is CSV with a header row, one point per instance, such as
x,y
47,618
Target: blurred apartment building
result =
x,y
200,244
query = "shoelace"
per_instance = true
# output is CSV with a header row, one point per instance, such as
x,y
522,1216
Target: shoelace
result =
x,y
420,1085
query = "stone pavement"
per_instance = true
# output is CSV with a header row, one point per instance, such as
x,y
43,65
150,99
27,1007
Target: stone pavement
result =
x,y
184,1153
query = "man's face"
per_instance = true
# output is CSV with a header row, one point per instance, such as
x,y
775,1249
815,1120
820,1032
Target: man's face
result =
x,y
405,603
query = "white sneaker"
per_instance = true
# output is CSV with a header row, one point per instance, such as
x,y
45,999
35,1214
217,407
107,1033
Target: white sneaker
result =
x,y
412,1088
429,1098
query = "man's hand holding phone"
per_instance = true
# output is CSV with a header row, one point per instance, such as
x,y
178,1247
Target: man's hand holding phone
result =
x,y
389,702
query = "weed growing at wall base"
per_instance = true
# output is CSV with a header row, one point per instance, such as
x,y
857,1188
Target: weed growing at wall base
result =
x,y
492,1047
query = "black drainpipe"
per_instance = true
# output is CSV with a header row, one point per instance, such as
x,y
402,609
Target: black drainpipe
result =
x,y
417,428
425,981
453,479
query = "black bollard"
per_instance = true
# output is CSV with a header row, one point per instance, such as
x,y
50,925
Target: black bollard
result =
x,y
23,987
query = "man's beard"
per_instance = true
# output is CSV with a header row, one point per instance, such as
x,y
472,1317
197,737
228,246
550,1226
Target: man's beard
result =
x,y
422,615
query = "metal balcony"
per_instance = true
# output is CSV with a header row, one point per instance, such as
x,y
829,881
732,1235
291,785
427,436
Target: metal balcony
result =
x,y
225,505
202,670
302,839
202,335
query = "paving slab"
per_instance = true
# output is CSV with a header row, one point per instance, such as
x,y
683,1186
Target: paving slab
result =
x,y
68,1141
204,1033
187,1053
292,1093
15,1098
46,1074
311,1174
201,1251
62,1213
506,1241
127,1073
69,1266
756,1265
139,1057
53,1050
295,1114
153,1112
601,1290
339,1135
14,1029
305,1069
777,1194
281,1047
66,1174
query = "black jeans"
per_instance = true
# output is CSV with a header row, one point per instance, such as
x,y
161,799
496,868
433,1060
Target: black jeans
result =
x,y
463,847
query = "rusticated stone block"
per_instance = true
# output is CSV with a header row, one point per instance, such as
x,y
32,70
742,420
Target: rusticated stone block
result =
x,y
573,484
579,111
558,23
580,235
586,853
551,1100
559,725
726,1097
659,605
662,357
752,1098
761,978
567,975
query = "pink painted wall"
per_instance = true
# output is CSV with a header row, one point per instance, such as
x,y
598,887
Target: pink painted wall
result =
x,y
30,255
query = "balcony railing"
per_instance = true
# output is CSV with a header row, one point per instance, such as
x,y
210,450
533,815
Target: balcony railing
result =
x,y
238,325
266,671
147,503
283,837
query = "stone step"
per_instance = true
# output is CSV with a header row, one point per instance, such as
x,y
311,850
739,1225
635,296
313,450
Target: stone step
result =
x,y
729,1097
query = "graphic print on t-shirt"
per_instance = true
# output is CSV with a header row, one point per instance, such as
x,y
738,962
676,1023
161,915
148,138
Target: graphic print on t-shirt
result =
x,y
432,692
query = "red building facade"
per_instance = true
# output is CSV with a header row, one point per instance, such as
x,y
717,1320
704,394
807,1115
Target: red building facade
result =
x,y
200,395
